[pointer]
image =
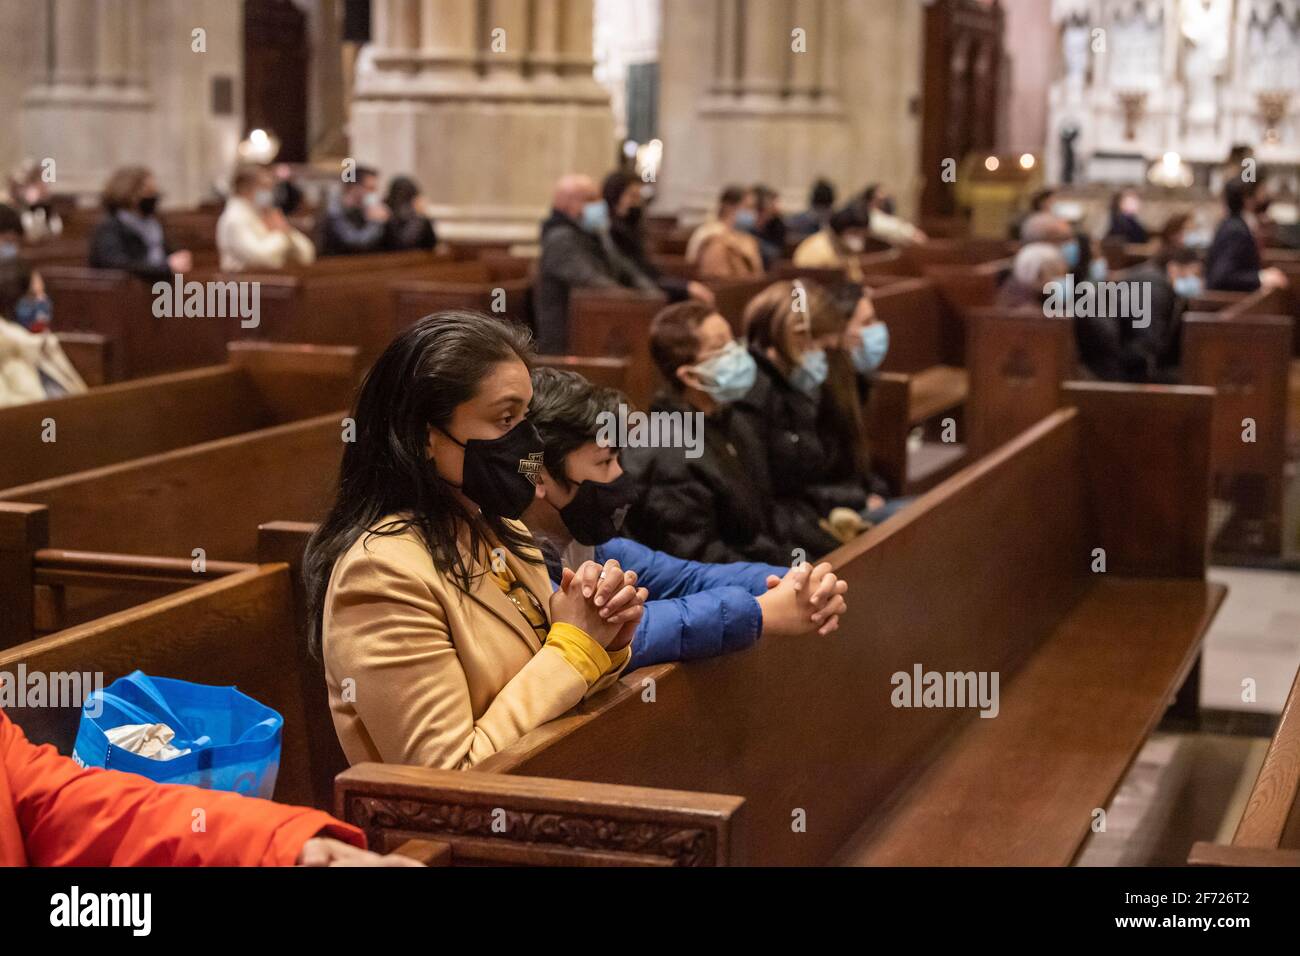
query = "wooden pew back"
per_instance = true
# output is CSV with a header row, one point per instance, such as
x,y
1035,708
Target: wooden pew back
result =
x,y
119,307
238,630
260,385
1245,358
208,496
617,326
922,332
413,299
1016,361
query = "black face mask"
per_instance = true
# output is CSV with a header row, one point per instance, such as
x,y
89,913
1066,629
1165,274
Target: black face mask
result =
x,y
632,218
500,474
887,206
598,509
147,205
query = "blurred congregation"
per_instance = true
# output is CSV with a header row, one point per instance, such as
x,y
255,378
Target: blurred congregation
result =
x,y
457,378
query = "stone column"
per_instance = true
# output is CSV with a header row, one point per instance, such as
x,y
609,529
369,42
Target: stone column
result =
x,y
116,83
449,42
487,146
112,46
544,58
765,52
506,43
74,43
740,105
726,48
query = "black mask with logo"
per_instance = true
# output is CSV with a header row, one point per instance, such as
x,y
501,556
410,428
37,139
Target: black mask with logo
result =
x,y
500,474
598,509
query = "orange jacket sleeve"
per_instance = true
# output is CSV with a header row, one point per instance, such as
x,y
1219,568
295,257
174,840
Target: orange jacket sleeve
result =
x,y
66,815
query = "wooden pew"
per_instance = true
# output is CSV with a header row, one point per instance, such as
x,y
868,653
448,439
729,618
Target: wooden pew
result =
x,y
920,384
1245,358
346,300
914,260
209,495
91,354
119,307
605,372
1088,664
1268,833
965,287
732,296
723,763
1017,362
617,326
259,385
341,300
236,630
45,589
413,299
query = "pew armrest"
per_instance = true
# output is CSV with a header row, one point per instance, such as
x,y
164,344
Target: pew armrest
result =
x,y
428,852
516,820
1220,854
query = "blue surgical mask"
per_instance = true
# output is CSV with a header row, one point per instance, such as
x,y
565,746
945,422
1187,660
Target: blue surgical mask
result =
x,y
746,220
729,375
263,198
871,349
810,373
1189,286
1197,239
1098,269
370,199
595,216
8,250
1070,251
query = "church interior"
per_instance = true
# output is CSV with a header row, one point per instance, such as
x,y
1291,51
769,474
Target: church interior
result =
x,y
949,348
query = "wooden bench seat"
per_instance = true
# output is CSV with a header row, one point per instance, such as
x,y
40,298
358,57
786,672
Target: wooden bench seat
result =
x,y
936,390
1125,645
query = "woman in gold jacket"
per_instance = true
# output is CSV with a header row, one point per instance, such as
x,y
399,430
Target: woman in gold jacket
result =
x,y
442,640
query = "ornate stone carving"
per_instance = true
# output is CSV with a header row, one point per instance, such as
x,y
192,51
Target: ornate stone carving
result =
x,y
684,845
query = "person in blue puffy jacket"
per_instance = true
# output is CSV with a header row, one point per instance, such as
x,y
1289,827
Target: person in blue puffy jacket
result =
x,y
695,609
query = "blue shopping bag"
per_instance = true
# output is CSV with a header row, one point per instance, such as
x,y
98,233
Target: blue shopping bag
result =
x,y
234,741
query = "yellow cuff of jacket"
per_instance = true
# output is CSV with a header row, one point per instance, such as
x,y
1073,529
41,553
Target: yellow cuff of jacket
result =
x,y
586,656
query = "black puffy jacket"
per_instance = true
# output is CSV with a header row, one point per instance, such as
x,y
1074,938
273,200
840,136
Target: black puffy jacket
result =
x,y
784,420
711,508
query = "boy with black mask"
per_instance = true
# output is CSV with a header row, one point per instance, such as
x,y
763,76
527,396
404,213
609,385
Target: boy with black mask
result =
x,y
695,609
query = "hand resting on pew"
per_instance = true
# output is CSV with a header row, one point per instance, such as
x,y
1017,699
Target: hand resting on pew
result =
x,y
326,851
807,599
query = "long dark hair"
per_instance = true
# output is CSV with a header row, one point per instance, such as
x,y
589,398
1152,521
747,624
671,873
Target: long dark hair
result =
x,y
401,193
841,419
419,380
